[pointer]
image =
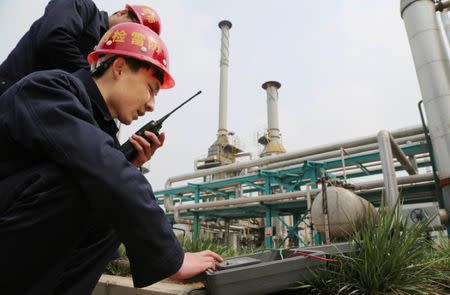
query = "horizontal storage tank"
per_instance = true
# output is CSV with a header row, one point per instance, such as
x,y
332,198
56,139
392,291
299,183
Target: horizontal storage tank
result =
x,y
344,209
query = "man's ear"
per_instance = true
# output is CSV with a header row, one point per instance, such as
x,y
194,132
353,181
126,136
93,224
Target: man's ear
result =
x,y
117,67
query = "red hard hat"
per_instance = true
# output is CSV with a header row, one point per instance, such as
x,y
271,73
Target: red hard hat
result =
x,y
147,16
137,41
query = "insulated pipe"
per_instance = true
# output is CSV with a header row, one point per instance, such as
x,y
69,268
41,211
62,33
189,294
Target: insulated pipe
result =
x,y
387,164
249,200
292,155
179,219
225,27
398,153
433,72
400,180
404,132
332,154
354,151
370,184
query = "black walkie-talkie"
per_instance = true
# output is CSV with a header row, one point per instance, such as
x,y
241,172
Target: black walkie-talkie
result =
x,y
153,126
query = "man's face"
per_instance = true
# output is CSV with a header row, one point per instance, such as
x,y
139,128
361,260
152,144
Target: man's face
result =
x,y
134,94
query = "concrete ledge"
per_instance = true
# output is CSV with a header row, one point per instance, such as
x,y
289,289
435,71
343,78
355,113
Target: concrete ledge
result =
x,y
115,285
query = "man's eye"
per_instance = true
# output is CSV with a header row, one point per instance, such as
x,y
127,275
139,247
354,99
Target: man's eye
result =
x,y
151,91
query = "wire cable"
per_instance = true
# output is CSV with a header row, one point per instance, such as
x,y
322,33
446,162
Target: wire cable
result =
x,y
298,253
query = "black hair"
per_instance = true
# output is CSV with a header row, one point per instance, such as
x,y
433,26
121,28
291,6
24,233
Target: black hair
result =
x,y
133,16
130,14
134,64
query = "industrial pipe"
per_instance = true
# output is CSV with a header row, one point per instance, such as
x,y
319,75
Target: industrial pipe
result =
x,y
292,155
230,182
404,132
337,153
371,167
387,164
298,195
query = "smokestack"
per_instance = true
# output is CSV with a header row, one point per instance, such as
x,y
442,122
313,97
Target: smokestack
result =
x,y
221,152
272,141
225,27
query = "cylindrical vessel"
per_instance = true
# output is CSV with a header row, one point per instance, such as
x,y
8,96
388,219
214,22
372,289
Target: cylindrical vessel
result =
x,y
345,210
273,145
433,72
271,88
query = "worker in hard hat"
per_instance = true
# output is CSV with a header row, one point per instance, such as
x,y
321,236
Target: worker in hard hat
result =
x,y
68,196
63,37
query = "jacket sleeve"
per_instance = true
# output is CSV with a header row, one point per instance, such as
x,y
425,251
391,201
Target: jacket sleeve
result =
x,y
63,23
52,119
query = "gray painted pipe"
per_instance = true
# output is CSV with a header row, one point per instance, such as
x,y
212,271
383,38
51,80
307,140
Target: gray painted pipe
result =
x,y
387,164
400,155
337,154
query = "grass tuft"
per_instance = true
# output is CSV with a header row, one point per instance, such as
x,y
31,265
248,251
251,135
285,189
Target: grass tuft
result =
x,y
388,260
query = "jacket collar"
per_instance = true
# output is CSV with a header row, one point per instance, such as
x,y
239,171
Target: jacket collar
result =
x,y
96,98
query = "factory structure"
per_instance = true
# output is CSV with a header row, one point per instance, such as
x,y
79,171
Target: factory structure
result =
x,y
285,198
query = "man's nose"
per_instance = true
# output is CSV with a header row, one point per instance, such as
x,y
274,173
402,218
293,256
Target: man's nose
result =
x,y
150,106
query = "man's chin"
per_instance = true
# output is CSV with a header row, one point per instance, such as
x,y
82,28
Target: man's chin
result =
x,y
126,122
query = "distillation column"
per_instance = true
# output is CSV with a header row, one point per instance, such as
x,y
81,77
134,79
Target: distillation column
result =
x,y
433,72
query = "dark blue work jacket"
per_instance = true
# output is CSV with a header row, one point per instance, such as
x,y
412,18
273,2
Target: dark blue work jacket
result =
x,y
61,39
51,145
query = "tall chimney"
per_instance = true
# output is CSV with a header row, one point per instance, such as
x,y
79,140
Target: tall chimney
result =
x,y
221,152
272,141
225,27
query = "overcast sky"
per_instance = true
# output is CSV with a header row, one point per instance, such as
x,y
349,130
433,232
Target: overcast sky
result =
x,y
345,68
